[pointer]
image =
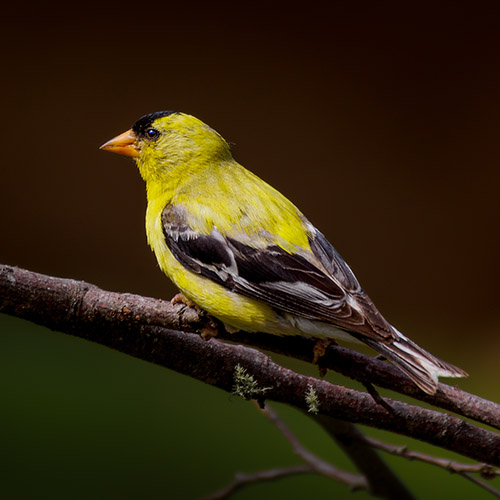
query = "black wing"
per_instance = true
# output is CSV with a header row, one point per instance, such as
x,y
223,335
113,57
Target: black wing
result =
x,y
327,292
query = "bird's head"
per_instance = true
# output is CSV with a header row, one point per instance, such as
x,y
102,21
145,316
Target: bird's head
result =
x,y
166,140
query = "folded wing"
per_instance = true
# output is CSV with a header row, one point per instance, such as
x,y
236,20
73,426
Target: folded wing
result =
x,y
320,287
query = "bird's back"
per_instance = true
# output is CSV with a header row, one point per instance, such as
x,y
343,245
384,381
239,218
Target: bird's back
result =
x,y
241,205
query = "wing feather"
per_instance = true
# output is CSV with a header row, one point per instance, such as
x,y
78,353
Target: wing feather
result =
x,y
320,287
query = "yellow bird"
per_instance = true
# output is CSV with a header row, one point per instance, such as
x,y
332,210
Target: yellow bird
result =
x,y
243,252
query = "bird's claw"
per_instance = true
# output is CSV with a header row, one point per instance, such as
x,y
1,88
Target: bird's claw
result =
x,y
320,347
180,298
209,330
319,350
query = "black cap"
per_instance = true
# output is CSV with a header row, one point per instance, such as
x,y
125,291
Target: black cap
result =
x,y
142,124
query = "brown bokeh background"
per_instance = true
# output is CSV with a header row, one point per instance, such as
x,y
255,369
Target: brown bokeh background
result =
x,y
380,123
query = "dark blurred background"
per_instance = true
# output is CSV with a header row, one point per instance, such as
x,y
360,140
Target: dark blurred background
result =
x,y
379,122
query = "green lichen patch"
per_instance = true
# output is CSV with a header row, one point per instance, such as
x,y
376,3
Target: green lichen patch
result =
x,y
245,385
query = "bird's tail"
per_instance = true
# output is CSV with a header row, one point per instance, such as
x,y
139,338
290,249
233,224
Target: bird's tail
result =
x,y
421,366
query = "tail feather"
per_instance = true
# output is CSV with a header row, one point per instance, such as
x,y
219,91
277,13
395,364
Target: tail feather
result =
x,y
418,364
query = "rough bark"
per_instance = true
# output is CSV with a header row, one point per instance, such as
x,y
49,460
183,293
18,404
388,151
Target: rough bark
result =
x,y
130,324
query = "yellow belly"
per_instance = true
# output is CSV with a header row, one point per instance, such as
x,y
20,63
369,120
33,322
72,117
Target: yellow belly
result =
x,y
231,308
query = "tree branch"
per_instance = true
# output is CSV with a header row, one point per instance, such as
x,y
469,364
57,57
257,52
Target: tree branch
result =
x,y
354,481
127,322
360,450
481,484
485,470
377,478
26,294
463,470
240,480
381,479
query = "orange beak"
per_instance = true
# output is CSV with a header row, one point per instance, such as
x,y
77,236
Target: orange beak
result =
x,y
123,144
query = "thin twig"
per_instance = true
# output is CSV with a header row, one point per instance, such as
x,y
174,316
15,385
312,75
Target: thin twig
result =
x,y
382,480
313,465
345,431
487,471
465,470
240,480
354,481
378,398
348,436
481,484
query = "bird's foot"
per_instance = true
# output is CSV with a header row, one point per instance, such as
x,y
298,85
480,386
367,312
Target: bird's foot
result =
x,y
180,298
195,312
209,325
210,330
319,350
320,347
231,329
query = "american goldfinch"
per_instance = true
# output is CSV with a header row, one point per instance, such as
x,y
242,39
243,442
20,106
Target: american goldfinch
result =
x,y
244,253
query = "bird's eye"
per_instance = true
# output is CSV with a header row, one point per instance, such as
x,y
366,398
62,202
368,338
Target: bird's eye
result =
x,y
152,133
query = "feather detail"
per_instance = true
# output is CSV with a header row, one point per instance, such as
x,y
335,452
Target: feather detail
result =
x,y
418,364
288,282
